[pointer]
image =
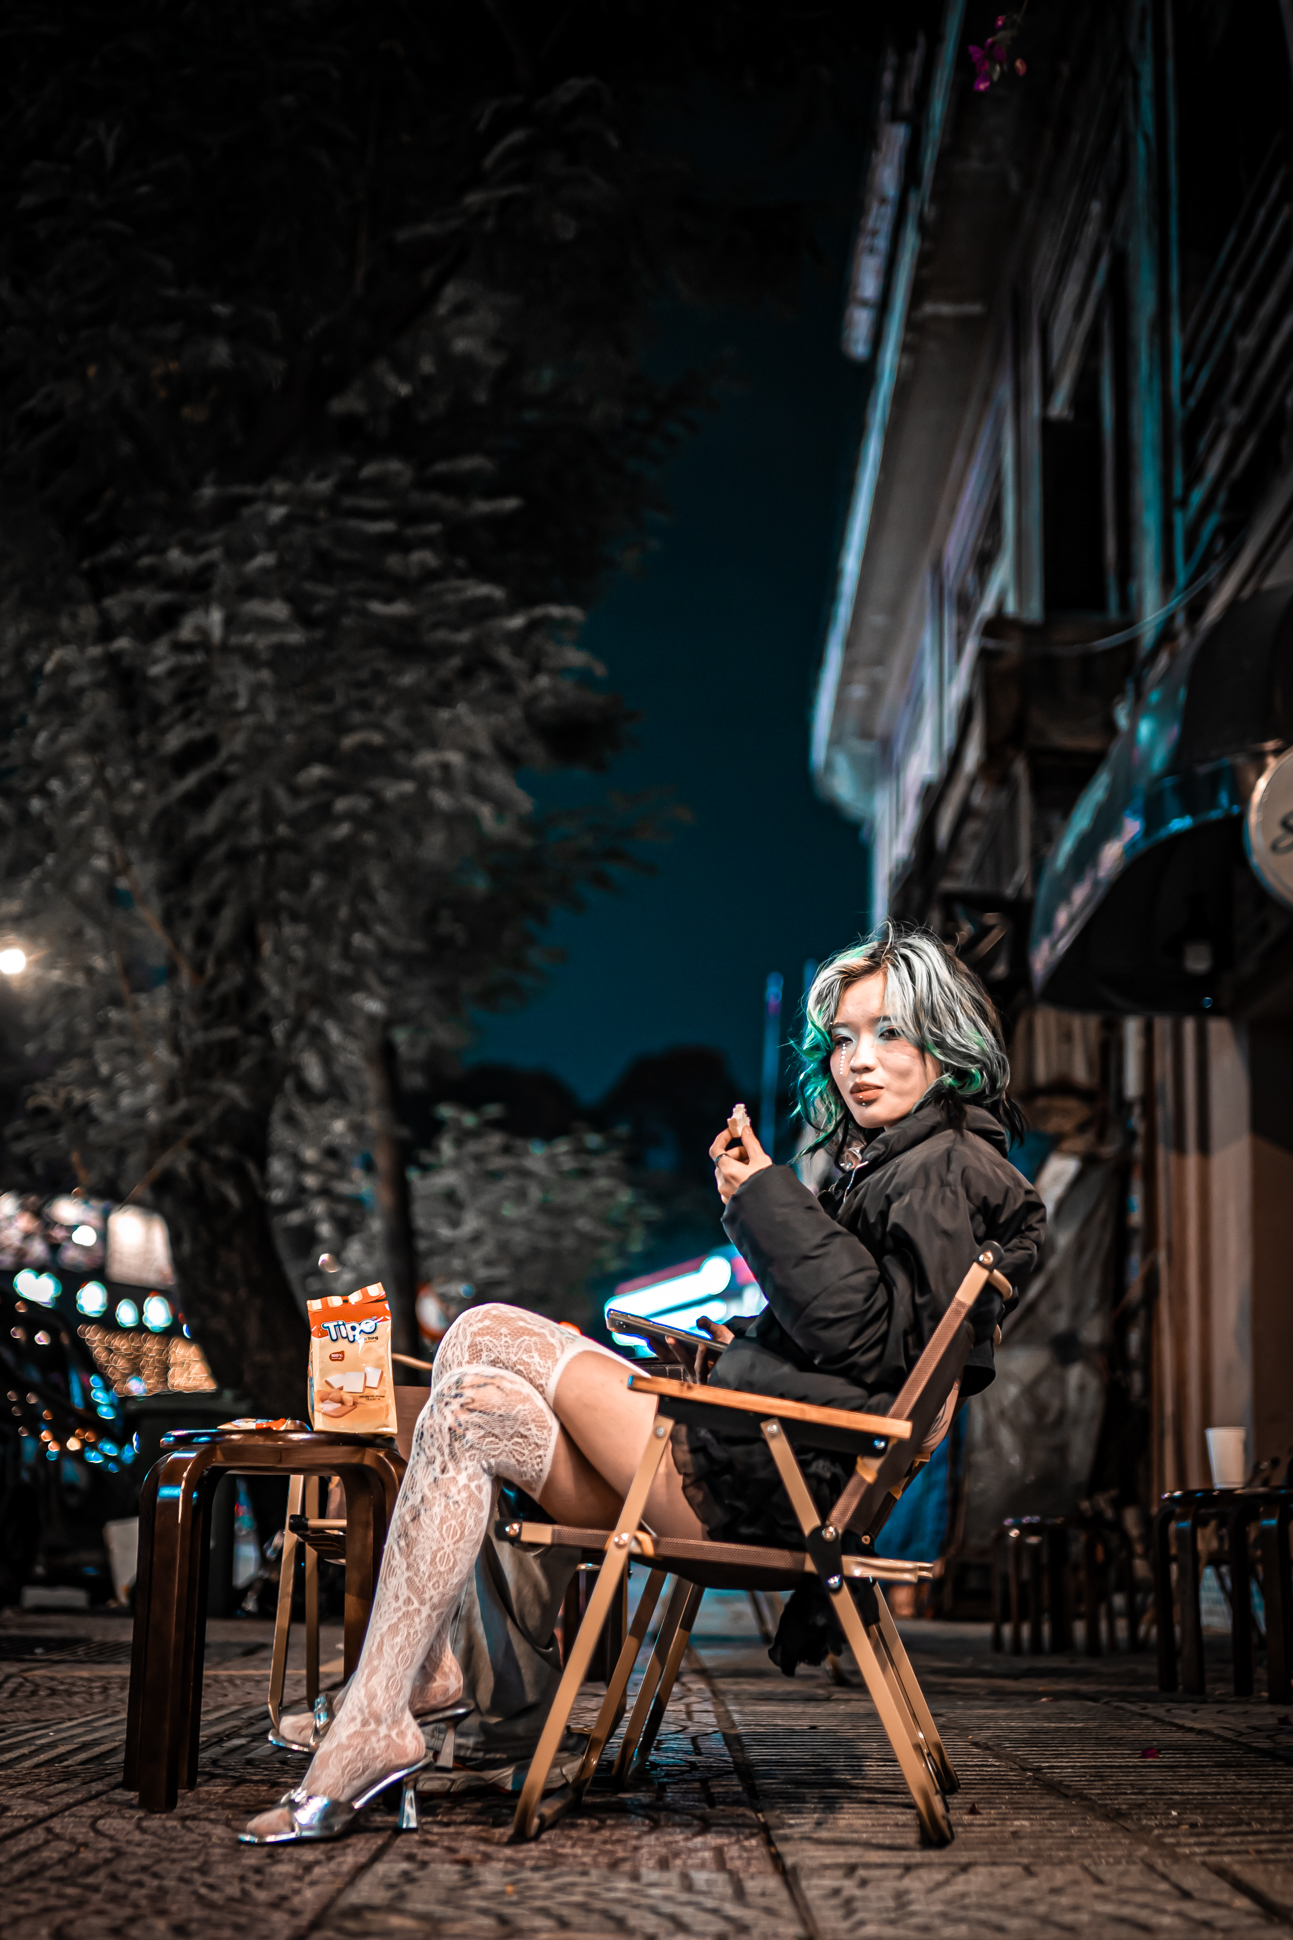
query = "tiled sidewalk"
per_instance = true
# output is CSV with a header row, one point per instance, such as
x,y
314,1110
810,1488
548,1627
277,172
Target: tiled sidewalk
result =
x,y
777,1811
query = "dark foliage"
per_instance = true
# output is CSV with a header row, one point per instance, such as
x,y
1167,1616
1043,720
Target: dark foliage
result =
x,y
323,410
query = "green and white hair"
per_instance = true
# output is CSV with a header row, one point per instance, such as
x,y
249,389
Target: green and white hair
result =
x,y
934,1002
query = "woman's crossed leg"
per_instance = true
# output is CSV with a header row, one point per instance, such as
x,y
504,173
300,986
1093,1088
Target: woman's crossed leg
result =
x,y
515,1398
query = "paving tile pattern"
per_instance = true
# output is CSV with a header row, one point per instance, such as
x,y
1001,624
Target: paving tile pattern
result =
x,y
773,1808
1063,1824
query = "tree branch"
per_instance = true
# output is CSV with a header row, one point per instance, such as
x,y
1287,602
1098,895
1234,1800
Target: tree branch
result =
x,y
126,867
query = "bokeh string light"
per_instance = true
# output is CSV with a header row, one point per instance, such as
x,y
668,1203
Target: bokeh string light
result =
x,y
92,1299
61,1407
134,1362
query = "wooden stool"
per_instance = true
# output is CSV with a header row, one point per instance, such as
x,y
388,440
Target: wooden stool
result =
x,y
164,1717
1177,1525
1044,1544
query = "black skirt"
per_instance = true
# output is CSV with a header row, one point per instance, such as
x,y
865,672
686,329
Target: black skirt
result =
x,y
731,1481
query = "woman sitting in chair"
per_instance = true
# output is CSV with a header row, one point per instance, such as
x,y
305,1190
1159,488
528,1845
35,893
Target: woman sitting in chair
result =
x,y
904,1076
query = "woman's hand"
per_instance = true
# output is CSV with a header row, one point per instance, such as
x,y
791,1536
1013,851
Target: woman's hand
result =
x,y
737,1155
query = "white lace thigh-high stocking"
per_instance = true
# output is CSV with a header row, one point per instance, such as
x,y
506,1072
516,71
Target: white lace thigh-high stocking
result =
x,y
480,1424
525,1345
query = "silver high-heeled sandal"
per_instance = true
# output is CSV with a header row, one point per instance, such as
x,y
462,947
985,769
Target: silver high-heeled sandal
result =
x,y
324,1715
321,1717
313,1816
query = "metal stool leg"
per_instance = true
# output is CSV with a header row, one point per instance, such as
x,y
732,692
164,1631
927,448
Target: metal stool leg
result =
x,y
1164,1616
1134,1639
1014,1552
1277,1594
1108,1586
1241,1601
1057,1588
1034,1596
1187,1589
998,1641
1090,1593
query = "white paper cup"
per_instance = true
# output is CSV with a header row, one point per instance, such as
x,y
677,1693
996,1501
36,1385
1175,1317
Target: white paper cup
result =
x,y
1228,1457
121,1539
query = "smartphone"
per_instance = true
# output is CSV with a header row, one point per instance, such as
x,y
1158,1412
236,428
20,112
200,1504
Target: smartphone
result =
x,y
658,1333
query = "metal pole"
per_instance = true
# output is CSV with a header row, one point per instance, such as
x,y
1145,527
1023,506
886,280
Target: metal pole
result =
x,y
771,1060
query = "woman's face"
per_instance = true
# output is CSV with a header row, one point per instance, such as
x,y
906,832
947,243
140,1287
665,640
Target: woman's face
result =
x,y
878,1073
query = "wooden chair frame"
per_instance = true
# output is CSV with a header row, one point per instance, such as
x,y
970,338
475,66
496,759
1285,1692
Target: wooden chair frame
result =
x,y
317,1536
887,1451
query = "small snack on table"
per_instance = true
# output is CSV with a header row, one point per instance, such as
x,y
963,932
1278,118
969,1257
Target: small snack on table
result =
x,y
282,1425
351,1382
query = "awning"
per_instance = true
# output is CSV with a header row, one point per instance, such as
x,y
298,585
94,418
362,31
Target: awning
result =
x,y
1136,907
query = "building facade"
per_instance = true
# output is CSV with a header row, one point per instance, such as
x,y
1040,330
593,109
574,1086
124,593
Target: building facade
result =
x,y
1060,653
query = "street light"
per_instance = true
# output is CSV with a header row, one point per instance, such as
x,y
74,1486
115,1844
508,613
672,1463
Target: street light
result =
x,y
12,962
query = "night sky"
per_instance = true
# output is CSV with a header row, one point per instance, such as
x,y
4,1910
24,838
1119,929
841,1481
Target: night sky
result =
x,y
716,646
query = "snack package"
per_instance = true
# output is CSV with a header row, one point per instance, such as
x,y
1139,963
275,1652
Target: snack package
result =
x,y
351,1383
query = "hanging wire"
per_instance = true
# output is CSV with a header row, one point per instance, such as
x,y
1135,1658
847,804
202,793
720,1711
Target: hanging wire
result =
x,y
1074,649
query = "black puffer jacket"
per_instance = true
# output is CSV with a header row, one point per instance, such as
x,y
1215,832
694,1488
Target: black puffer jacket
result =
x,y
856,1282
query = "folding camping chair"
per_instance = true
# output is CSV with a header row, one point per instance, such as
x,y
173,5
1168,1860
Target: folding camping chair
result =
x,y
887,1450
